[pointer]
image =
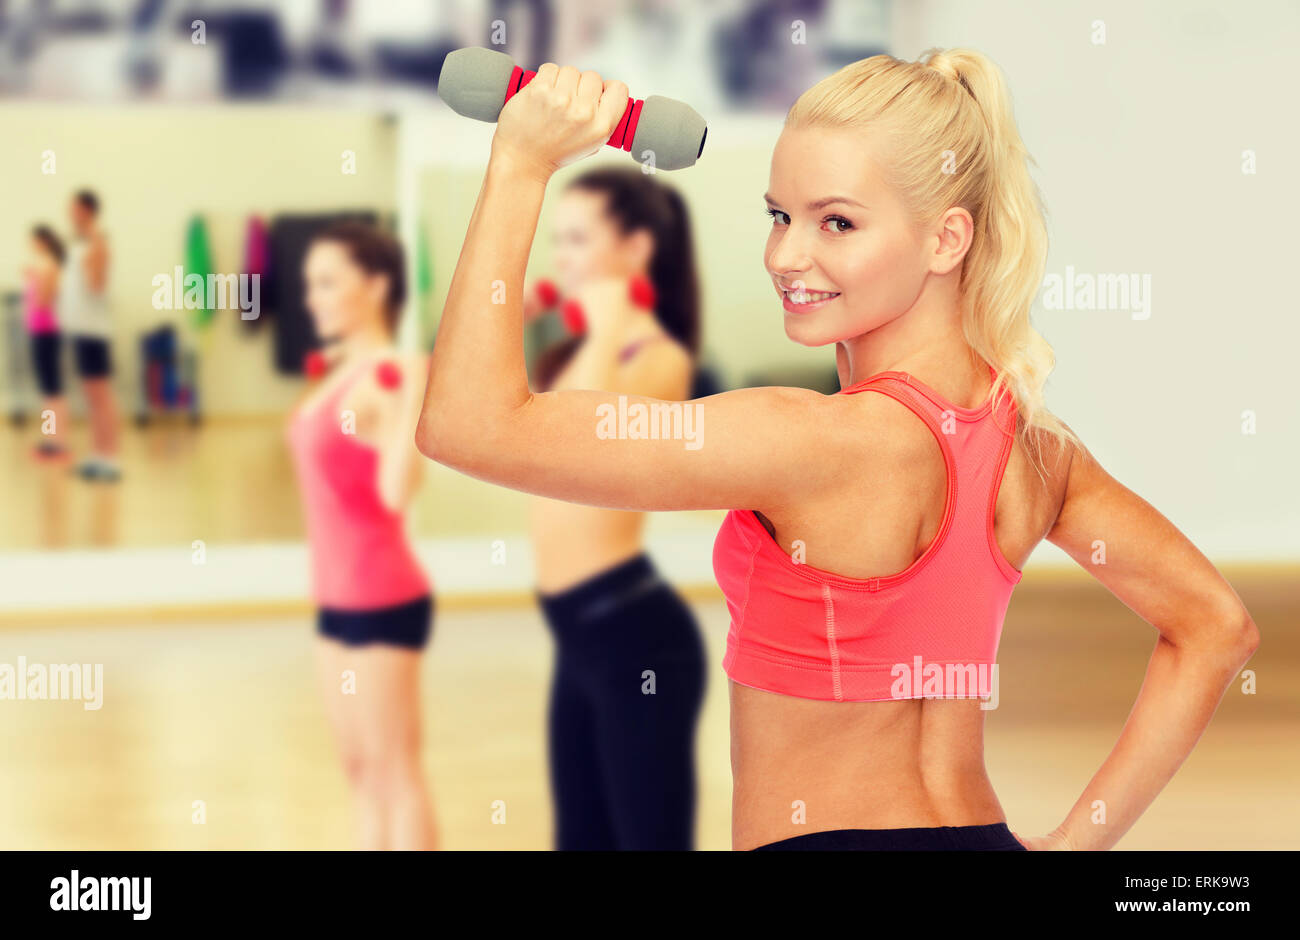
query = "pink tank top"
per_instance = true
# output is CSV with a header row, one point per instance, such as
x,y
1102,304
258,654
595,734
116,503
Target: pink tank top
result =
x,y
931,630
361,558
40,317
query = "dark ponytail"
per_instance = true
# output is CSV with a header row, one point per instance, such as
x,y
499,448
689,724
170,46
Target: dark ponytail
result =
x,y
51,242
636,200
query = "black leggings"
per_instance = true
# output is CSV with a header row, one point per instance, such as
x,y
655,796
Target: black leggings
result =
x,y
995,837
622,760
47,356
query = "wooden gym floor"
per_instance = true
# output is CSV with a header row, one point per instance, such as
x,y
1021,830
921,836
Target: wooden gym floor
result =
x,y
227,713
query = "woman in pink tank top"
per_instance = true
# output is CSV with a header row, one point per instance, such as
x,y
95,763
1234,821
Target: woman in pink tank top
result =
x,y
40,293
357,467
874,536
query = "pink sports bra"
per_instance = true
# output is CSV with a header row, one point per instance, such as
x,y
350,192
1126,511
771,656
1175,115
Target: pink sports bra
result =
x,y
931,630
361,559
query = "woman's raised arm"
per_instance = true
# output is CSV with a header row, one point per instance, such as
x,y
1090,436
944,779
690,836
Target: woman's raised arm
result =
x,y
751,448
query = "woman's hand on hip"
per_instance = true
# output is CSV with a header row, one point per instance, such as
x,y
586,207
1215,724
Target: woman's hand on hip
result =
x,y
1052,842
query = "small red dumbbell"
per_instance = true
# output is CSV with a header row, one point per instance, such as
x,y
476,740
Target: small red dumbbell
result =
x,y
540,298
314,364
388,375
547,294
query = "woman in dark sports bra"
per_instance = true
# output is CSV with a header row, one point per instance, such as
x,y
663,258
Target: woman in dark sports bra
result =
x,y
629,667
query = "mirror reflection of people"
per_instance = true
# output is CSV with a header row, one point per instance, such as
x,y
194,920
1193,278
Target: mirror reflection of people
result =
x,y
622,758
352,440
881,528
41,277
84,314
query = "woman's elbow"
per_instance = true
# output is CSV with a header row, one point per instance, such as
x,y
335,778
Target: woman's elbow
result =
x,y
429,438
1229,635
1248,639
1239,642
447,440
396,490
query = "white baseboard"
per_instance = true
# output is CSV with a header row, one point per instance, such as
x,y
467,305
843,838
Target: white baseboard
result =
x,y
182,575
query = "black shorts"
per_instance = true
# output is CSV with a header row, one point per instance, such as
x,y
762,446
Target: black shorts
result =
x,y
995,837
407,625
93,361
46,352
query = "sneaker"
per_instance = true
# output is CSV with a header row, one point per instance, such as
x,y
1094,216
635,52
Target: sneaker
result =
x,y
94,469
107,472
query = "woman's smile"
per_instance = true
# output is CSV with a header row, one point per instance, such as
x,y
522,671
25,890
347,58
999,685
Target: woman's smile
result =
x,y
805,301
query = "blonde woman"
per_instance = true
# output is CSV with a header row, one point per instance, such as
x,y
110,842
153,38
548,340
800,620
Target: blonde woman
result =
x,y
906,231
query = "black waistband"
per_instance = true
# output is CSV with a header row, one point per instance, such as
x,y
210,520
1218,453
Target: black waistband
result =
x,y
991,837
603,593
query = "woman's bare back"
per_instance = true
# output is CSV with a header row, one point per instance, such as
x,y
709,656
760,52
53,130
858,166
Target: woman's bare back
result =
x,y
801,765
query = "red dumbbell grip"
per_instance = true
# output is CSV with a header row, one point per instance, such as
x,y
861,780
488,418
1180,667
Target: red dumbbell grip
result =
x,y
623,133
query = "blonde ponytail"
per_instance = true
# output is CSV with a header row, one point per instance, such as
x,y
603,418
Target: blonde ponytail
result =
x,y
953,141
